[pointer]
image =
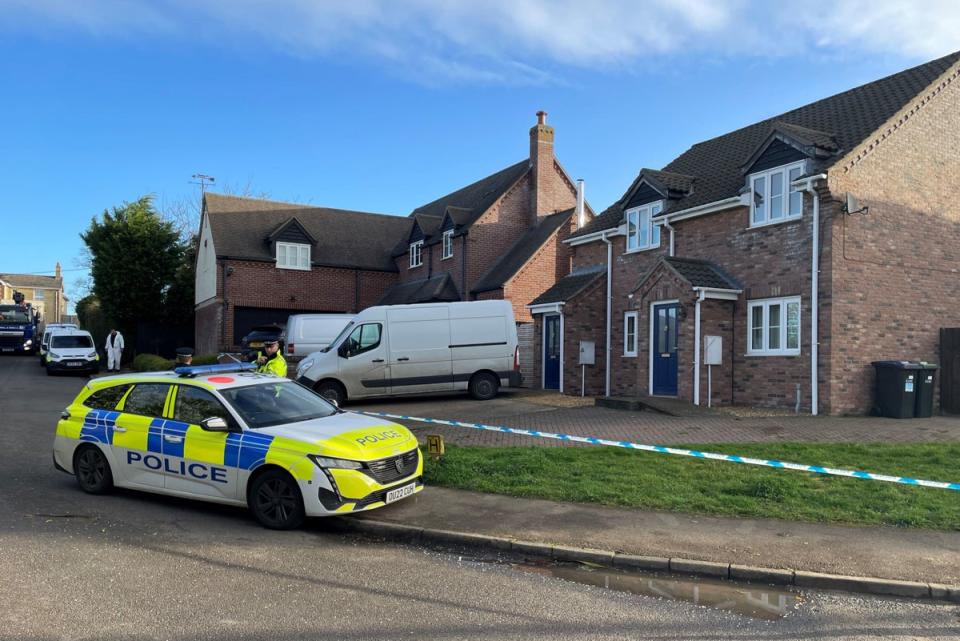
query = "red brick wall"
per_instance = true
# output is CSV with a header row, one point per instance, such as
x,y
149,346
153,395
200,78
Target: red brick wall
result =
x,y
261,284
542,271
895,268
583,319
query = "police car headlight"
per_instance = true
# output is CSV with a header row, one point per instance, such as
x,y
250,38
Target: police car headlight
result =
x,y
53,356
92,356
325,462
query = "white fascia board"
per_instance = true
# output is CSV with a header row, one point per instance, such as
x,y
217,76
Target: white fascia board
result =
x,y
716,292
709,208
620,230
546,308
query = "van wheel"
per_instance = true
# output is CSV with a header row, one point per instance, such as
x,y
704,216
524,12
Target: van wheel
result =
x,y
92,470
483,386
275,501
332,391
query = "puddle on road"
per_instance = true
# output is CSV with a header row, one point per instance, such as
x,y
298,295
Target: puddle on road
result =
x,y
759,602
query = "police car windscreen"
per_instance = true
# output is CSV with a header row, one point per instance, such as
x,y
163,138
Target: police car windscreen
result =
x,y
72,342
276,403
9,314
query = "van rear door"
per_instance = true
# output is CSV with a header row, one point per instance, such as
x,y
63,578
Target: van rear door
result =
x,y
419,349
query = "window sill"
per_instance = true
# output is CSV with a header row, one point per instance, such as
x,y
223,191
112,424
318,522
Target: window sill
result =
x,y
769,354
639,250
771,223
446,257
296,269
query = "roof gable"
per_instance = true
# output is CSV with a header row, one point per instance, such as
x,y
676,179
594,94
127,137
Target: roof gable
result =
x,y
842,121
291,231
522,251
476,198
696,272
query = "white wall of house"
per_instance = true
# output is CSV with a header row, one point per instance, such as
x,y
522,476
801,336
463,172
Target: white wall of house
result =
x,y
206,280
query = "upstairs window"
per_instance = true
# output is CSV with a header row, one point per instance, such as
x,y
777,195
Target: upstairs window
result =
x,y
293,256
774,199
38,294
416,254
447,244
773,327
641,232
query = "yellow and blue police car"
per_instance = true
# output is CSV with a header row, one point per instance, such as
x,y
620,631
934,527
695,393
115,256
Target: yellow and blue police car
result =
x,y
227,434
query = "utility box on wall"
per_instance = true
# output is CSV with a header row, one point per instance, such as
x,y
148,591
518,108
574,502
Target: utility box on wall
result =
x,y
587,353
712,350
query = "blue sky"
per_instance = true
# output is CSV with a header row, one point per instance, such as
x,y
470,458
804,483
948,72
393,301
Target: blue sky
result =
x,y
361,105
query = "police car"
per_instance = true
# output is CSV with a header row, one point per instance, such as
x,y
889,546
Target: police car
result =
x,y
227,434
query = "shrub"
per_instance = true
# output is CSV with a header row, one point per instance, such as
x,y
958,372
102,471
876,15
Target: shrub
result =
x,y
150,363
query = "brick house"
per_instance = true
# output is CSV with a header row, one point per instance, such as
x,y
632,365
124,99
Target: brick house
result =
x,y
811,243
43,293
498,238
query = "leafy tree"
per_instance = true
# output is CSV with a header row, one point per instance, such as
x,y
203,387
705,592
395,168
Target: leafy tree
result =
x,y
92,319
134,256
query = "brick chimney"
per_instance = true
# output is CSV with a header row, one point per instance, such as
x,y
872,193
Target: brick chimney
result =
x,y
57,271
541,164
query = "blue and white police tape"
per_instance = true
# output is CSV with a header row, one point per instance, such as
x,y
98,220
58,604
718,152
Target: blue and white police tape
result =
x,y
732,458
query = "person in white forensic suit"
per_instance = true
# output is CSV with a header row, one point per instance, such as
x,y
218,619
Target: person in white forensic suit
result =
x,y
114,348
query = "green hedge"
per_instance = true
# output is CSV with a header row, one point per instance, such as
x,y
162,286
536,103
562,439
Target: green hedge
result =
x,y
154,363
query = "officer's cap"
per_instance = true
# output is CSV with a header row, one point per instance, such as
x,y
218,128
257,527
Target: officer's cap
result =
x,y
184,351
270,341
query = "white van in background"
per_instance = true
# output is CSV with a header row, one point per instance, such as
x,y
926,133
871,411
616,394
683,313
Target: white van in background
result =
x,y
415,349
71,350
308,333
48,331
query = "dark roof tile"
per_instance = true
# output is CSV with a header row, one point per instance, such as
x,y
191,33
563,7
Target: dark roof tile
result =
x,y
521,251
571,285
439,287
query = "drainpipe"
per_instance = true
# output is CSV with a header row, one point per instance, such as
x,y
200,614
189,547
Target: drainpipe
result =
x,y
606,360
580,208
701,296
666,223
814,291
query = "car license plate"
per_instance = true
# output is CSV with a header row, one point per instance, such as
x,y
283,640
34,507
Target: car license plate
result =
x,y
74,364
7,349
400,493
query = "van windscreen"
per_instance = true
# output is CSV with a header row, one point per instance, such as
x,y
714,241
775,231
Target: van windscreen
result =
x,y
71,342
336,341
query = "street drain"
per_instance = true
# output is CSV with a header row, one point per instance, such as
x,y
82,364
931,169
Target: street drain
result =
x,y
760,602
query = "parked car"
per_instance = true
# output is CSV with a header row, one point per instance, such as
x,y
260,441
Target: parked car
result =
x,y
72,350
224,434
308,333
413,349
48,331
253,342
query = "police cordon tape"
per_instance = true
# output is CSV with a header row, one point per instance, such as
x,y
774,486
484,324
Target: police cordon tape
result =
x,y
660,449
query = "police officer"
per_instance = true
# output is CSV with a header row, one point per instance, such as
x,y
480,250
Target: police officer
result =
x,y
184,356
270,360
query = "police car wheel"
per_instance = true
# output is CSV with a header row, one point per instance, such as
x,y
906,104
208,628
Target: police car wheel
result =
x,y
276,502
332,391
92,470
483,386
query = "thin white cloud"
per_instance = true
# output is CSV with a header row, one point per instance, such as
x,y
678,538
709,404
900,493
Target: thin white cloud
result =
x,y
515,41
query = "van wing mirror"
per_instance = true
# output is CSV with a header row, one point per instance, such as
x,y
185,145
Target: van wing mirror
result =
x,y
215,424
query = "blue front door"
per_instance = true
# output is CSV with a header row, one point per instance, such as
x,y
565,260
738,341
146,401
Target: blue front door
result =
x,y
664,348
551,351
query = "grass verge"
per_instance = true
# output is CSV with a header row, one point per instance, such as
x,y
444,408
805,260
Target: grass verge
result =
x,y
616,477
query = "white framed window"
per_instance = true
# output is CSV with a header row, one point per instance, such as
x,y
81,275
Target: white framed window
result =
x,y
630,324
773,327
293,256
38,294
774,199
447,244
641,232
416,253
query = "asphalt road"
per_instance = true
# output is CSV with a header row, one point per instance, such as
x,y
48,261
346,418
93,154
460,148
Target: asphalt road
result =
x,y
135,566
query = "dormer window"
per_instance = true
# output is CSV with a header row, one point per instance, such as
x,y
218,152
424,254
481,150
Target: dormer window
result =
x,y
293,256
642,234
773,198
447,244
416,254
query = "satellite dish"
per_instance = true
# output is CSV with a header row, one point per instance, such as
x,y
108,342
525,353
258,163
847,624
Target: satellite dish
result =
x,y
852,205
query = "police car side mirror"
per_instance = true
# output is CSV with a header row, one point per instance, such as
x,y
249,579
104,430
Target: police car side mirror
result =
x,y
214,424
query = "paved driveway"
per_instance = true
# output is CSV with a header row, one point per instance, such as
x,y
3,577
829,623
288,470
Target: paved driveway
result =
x,y
542,412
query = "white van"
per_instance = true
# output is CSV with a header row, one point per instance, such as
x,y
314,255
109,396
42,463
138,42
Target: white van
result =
x,y
308,333
48,330
415,349
72,350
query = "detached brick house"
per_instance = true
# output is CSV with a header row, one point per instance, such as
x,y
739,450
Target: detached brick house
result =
x,y
498,238
43,293
811,243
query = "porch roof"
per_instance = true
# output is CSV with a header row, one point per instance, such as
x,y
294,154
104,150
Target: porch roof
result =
x,y
701,274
